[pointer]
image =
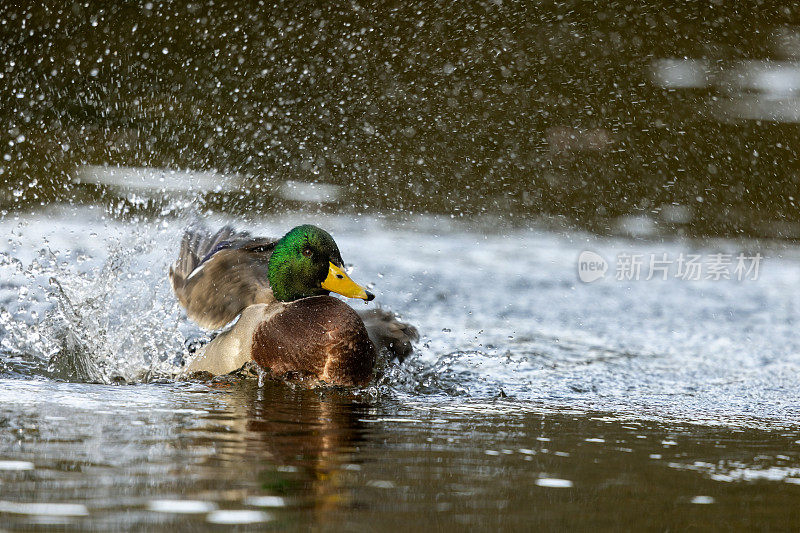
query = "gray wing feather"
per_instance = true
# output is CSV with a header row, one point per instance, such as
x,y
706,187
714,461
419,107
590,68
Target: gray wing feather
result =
x,y
196,244
218,275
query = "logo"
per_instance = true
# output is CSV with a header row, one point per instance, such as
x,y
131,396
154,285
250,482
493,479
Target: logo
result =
x,y
591,266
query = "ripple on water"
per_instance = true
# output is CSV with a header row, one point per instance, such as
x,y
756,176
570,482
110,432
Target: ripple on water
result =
x,y
44,509
233,517
16,465
181,506
554,483
266,501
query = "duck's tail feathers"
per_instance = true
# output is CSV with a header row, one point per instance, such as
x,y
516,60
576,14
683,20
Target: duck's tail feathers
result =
x,y
387,332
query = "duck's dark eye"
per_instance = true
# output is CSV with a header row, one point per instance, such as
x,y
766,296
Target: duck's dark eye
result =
x,y
307,252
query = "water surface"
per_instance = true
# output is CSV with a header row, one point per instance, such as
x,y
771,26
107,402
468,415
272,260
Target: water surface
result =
x,y
533,399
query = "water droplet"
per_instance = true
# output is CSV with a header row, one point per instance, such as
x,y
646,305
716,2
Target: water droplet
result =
x,y
262,375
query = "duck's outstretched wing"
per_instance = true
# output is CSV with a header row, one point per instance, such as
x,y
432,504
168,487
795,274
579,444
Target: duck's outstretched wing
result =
x,y
387,332
217,275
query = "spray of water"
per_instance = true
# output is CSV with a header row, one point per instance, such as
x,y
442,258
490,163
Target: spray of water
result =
x,y
97,313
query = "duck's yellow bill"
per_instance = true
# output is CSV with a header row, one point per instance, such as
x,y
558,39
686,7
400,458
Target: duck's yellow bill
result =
x,y
340,283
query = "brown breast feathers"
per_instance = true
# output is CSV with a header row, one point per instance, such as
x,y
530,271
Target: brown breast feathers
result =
x,y
319,336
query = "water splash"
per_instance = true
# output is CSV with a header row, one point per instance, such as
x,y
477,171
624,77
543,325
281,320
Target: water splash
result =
x,y
712,352
106,317
262,375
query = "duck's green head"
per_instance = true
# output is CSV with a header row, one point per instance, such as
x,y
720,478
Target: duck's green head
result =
x,y
306,262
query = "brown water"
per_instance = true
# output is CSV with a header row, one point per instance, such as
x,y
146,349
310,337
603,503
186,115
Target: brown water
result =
x,y
335,460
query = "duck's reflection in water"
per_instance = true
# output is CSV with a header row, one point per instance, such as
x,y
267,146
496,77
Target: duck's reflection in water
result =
x,y
310,438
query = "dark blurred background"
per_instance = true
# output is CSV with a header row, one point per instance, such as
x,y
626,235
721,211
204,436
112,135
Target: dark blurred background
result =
x,y
646,118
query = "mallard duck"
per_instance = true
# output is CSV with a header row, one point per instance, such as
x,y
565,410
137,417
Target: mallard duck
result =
x,y
287,321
